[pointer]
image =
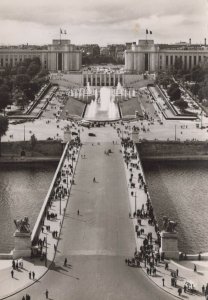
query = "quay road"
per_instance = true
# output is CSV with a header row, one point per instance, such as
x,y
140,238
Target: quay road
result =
x,y
97,241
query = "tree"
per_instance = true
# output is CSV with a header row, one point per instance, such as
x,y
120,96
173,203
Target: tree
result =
x,y
3,128
174,92
181,103
195,88
26,62
21,70
22,81
203,91
33,140
4,88
178,63
4,99
43,73
22,100
33,69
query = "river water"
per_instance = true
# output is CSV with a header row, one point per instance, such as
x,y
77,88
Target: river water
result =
x,y
22,191
179,190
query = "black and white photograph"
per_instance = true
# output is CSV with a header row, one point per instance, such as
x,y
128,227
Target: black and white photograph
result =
x,y
104,149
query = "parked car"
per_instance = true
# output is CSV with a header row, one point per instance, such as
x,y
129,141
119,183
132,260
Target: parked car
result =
x,y
74,133
91,134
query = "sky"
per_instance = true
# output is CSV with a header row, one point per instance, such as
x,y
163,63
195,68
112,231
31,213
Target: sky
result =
x,y
102,21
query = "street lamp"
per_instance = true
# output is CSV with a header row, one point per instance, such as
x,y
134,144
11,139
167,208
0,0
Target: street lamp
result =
x,y
201,117
67,179
135,203
60,204
46,251
72,161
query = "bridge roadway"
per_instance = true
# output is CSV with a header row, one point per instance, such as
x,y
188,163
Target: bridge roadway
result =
x,y
97,241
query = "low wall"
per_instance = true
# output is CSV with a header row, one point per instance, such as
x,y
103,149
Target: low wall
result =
x,y
48,148
172,150
136,80
71,80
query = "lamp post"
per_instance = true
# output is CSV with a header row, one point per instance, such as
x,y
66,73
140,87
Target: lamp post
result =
x,y
46,252
67,179
135,203
72,162
175,132
60,204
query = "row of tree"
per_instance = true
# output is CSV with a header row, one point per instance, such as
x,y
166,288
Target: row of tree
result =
x,y
198,74
174,93
19,84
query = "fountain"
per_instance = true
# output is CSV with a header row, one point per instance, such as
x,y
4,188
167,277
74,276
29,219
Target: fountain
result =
x,y
75,94
133,94
89,89
119,89
105,108
129,94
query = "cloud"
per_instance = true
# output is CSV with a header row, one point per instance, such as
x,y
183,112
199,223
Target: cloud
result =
x,y
119,19
91,12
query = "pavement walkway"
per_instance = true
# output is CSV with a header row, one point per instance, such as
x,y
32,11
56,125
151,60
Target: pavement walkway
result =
x,y
137,198
21,278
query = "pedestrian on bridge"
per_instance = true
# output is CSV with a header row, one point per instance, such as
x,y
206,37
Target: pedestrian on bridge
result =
x,y
65,262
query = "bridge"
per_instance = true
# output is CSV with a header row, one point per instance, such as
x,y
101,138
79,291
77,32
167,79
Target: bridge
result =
x,y
91,223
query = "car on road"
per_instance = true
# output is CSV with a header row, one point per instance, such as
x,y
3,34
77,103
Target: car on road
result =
x,y
85,123
74,133
91,134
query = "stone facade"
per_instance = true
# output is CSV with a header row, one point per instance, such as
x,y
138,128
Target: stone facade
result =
x,y
169,244
22,245
149,57
61,55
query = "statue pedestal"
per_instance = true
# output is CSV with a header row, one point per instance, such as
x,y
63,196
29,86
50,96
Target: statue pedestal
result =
x,y
67,135
22,244
135,136
169,244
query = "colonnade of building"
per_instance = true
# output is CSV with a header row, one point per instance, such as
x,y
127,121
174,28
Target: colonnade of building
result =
x,y
103,79
187,58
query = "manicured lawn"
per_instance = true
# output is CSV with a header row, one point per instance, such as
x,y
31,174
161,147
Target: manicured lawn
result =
x,y
72,107
129,107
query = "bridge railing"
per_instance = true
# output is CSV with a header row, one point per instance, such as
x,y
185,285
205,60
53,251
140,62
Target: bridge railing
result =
x,y
42,214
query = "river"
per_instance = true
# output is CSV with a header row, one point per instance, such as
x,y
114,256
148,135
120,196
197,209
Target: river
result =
x,y
22,192
179,190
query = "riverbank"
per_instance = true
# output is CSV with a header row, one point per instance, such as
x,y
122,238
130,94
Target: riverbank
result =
x,y
25,160
173,150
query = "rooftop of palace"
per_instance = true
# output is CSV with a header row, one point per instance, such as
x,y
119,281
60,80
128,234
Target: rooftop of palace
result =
x,y
183,46
23,47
